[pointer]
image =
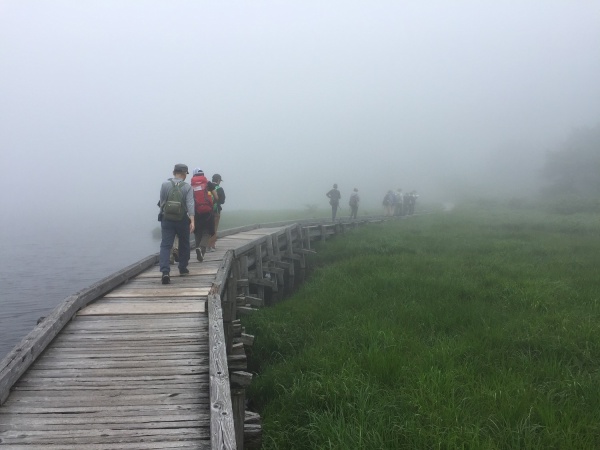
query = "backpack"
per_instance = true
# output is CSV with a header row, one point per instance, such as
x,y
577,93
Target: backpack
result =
x,y
353,200
174,207
202,198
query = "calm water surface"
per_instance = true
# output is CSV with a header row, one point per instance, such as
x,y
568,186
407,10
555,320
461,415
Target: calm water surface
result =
x,y
40,268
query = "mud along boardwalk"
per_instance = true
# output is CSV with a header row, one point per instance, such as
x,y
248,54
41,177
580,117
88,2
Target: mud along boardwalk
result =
x,y
129,363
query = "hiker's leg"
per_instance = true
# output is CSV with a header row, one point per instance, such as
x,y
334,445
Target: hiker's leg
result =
x,y
167,231
183,231
198,229
213,239
208,229
175,250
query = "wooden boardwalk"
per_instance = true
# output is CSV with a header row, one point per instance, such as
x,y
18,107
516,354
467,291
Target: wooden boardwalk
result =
x,y
131,368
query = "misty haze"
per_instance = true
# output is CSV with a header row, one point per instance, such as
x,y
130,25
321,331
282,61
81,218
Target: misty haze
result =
x,y
478,103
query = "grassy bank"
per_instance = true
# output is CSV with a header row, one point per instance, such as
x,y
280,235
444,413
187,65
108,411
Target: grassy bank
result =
x,y
475,330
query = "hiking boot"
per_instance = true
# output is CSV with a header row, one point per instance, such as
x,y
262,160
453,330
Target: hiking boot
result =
x,y
184,272
166,279
175,255
199,255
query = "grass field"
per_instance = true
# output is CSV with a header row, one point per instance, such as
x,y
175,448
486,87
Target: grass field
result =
x,y
472,330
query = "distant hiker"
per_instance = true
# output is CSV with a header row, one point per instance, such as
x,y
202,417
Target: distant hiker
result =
x,y
204,199
412,200
354,201
389,202
217,180
398,211
177,219
334,200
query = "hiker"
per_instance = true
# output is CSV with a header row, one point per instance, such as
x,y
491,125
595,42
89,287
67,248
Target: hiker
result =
x,y
217,180
176,219
398,211
412,199
354,201
334,200
204,198
389,201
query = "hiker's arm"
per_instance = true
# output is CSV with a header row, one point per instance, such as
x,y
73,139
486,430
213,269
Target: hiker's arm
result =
x,y
189,204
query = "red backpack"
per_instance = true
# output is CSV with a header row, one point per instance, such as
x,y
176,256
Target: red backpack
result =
x,y
202,198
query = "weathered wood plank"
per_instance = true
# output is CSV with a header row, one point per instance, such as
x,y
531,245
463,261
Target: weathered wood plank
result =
x,y
19,359
221,423
142,308
195,269
100,436
196,444
167,290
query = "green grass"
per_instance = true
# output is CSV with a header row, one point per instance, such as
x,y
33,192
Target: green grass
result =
x,y
470,330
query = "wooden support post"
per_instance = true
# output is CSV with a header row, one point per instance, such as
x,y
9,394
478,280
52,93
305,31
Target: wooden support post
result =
x,y
306,232
289,242
258,265
252,431
240,379
244,273
276,249
323,233
238,403
289,253
269,244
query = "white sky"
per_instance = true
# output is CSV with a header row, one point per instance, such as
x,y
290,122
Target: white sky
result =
x,y
285,98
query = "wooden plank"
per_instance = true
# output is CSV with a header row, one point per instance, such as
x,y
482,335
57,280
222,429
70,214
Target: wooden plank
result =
x,y
187,282
235,237
100,436
142,308
195,444
195,269
222,428
249,245
123,382
167,290
19,359
221,277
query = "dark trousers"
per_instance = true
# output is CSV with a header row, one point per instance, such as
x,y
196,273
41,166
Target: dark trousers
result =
x,y
353,212
334,207
169,229
204,228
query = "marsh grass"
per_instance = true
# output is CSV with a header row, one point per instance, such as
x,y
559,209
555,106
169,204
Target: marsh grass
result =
x,y
461,330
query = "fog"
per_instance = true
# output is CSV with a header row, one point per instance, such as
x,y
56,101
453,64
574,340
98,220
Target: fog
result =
x,y
99,99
